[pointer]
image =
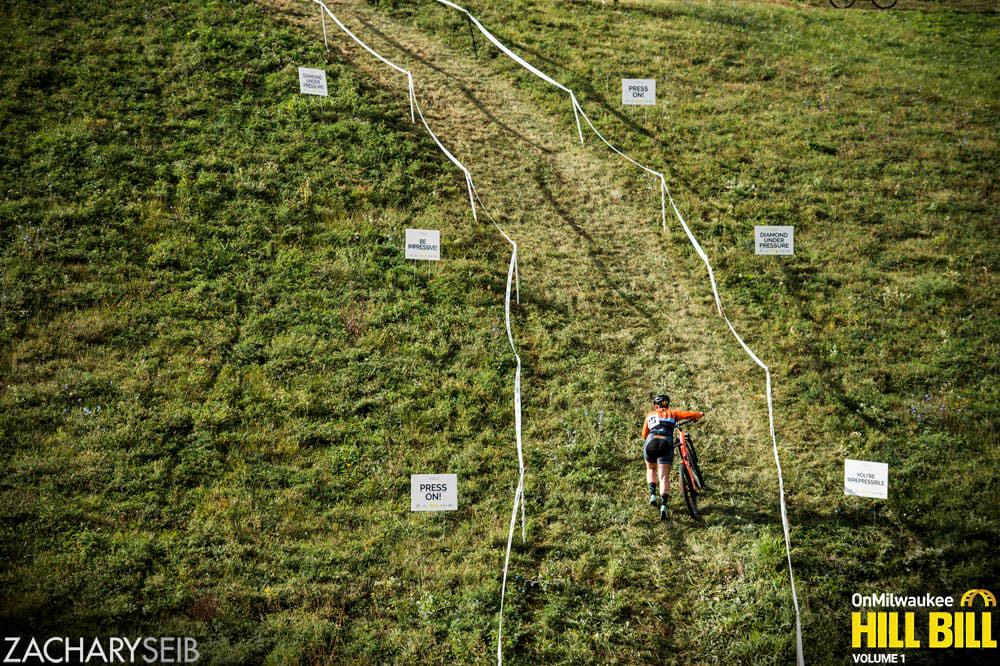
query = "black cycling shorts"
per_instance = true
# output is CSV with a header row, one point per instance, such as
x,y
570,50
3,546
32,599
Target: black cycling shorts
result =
x,y
658,450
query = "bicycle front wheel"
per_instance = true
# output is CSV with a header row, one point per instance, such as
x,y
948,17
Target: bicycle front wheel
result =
x,y
844,4
884,4
690,494
699,477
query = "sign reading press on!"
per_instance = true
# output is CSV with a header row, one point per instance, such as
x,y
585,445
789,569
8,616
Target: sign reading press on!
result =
x,y
774,240
863,478
433,492
312,81
423,244
639,92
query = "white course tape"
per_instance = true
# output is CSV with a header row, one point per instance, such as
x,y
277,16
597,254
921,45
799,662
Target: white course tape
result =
x,y
322,19
512,281
664,197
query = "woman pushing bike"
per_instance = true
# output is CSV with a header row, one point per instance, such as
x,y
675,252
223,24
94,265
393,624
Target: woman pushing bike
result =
x,y
658,447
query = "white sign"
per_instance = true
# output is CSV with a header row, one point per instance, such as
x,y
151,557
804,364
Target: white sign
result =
x,y
423,244
312,81
774,240
433,492
866,479
639,92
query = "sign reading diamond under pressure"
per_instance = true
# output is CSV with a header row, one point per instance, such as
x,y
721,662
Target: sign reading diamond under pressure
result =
x,y
312,81
639,92
433,492
423,244
774,240
866,479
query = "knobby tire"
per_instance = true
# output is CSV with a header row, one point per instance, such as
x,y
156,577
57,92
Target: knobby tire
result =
x,y
690,494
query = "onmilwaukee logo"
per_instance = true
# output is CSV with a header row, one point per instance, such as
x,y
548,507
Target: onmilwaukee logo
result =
x,y
896,601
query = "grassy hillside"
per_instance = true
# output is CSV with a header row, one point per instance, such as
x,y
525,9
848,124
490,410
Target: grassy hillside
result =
x,y
217,372
211,342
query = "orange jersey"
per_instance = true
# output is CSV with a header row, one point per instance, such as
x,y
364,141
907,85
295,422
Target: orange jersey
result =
x,y
666,414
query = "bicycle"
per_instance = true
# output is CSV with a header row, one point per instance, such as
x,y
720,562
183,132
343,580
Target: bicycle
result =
x,y
691,480
881,4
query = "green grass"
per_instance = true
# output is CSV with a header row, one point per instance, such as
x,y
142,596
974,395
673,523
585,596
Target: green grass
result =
x,y
217,372
200,270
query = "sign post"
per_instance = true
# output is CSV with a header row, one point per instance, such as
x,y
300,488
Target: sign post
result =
x,y
433,492
774,240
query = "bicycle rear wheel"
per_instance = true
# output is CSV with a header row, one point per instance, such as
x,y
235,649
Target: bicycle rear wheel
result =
x,y
884,4
690,492
842,4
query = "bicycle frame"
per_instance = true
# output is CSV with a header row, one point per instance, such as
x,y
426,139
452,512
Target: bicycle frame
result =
x,y
685,457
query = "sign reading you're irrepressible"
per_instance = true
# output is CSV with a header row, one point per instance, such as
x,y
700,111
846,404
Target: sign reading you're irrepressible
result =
x,y
639,92
774,240
312,81
423,244
433,492
863,478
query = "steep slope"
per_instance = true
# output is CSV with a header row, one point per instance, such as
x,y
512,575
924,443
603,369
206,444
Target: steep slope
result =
x,y
218,372
212,349
770,115
611,310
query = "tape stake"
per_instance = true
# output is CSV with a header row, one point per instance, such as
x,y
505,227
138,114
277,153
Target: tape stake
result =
x,y
468,183
576,116
413,97
322,18
517,399
663,202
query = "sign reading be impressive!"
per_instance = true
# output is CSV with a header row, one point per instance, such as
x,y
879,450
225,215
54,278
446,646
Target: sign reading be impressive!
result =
x,y
423,244
774,240
866,479
639,92
433,492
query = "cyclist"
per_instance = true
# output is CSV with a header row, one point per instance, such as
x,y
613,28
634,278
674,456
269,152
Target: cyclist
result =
x,y
658,447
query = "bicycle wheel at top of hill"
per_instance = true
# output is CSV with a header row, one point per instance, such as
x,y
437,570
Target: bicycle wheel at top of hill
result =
x,y
884,4
842,4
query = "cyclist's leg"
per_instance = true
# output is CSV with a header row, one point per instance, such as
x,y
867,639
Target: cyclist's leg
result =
x,y
651,473
664,473
664,460
650,460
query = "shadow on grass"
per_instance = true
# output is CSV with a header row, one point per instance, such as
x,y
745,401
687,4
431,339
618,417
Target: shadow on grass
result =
x,y
795,274
592,252
594,96
464,90
756,510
